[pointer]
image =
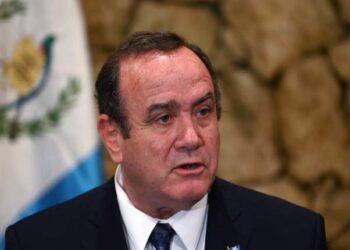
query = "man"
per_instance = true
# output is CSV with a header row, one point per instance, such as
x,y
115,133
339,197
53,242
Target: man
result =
x,y
159,105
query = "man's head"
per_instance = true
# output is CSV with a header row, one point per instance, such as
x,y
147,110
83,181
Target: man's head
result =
x,y
140,43
159,103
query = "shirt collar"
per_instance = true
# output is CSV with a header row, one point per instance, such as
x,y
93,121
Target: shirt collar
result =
x,y
188,224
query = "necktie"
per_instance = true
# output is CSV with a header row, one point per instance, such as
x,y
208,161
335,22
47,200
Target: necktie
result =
x,y
161,236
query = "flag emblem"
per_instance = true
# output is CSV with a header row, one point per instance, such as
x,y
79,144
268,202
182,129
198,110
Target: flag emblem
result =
x,y
25,74
234,248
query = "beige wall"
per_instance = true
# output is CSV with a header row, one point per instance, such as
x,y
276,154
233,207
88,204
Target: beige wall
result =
x,y
285,73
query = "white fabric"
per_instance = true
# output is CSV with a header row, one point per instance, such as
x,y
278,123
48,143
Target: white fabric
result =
x,y
189,225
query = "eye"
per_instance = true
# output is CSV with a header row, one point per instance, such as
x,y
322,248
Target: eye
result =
x,y
204,112
164,119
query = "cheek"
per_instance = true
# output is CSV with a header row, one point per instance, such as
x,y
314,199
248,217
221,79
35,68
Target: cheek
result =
x,y
134,147
160,146
213,137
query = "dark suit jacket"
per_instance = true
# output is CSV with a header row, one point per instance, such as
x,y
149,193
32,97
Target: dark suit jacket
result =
x,y
237,216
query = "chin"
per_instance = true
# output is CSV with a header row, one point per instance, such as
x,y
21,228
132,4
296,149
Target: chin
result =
x,y
193,192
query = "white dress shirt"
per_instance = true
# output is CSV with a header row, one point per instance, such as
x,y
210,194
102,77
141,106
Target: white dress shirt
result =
x,y
189,225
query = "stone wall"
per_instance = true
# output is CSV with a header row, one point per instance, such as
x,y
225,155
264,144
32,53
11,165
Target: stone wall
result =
x,y
285,73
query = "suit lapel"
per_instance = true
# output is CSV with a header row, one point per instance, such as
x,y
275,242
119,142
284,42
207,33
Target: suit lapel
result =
x,y
225,226
104,228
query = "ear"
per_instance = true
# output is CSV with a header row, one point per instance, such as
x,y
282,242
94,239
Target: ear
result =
x,y
111,137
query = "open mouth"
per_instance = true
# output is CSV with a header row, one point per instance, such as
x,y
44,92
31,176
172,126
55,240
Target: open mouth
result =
x,y
190,168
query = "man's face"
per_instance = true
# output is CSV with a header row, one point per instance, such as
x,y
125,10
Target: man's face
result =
x,y
171,157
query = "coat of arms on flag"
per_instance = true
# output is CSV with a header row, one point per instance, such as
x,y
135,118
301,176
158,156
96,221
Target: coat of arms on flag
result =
x,y
25,75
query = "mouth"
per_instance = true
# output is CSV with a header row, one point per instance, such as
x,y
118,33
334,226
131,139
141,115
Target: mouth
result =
x,y
190,168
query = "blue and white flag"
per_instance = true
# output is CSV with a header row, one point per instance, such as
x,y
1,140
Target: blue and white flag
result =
x,y
49,147
234,248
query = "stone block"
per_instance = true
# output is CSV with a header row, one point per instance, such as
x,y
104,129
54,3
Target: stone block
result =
x,y
340,57
322,193
342,242
312,125
235,45
338,214
196,24
277,32
106,21
248,152
345,9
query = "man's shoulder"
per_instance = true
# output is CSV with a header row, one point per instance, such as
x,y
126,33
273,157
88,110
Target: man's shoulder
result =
x,y
89,219
261,206
267,221
69,212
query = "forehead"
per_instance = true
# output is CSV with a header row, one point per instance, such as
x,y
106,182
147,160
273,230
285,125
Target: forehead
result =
x,y
154,73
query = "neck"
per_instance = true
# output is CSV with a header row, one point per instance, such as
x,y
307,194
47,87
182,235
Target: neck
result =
x,y
152,206
155,209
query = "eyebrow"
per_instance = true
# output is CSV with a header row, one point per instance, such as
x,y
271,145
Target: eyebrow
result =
x,y
208,96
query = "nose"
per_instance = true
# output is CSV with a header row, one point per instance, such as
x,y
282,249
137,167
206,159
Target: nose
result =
x,y
188,136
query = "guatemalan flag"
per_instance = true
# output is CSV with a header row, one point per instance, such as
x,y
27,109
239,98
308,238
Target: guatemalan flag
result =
x,y
49,148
